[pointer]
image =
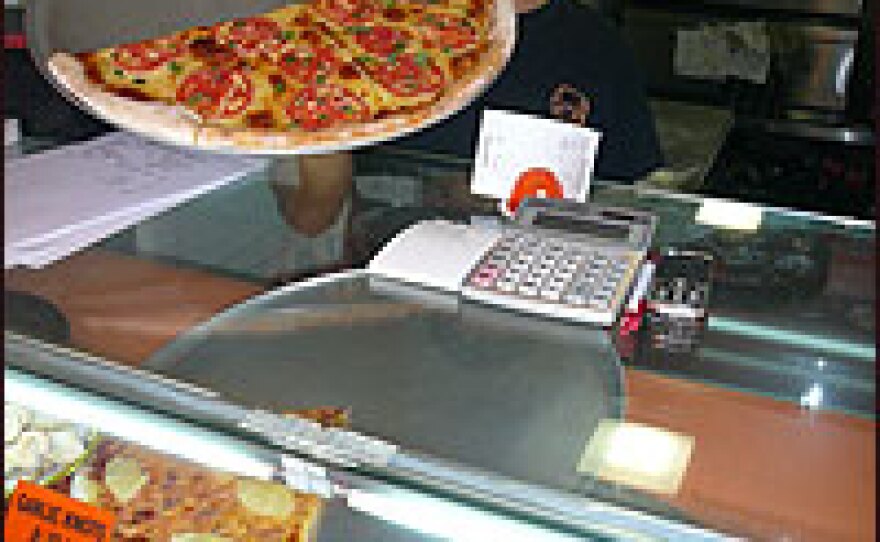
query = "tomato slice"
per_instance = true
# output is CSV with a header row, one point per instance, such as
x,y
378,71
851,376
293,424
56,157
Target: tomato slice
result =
x,y
251,37
317,107
349,12
216,93
381,40
147,55
444,31
308,64
408,75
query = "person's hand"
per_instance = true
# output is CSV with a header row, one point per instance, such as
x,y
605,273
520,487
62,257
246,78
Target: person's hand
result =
x,y
311,190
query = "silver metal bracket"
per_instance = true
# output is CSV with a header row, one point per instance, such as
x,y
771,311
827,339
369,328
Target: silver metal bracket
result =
x,y
335,446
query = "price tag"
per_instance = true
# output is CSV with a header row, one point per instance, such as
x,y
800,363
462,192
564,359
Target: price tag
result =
x,y
520,156
37,514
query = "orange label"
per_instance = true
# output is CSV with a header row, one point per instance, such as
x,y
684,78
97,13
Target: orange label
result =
x,y
534,182
37,514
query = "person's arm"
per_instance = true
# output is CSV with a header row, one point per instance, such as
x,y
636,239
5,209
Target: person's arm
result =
x,y
311,190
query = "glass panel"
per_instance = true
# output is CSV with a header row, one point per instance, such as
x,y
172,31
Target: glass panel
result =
x,y
168,449
772,416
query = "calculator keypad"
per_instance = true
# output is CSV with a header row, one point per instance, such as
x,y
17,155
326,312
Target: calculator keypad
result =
x,y
551,270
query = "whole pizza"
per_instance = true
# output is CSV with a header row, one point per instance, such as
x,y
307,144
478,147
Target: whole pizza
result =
x,y
315,76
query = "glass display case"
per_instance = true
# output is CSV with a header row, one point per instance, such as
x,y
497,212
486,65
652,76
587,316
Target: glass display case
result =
x,y
267,370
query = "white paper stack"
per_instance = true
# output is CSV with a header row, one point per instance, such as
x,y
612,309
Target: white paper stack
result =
x,y
61,201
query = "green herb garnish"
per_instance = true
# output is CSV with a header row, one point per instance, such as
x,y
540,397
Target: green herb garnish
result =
x,y
175,67
279,87
358,29
322,116
321,79
447,50
118,73
422,59
399,46
392,58
288,34
238,24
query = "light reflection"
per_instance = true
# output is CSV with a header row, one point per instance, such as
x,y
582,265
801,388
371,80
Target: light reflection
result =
x,y
812,399
447,520
793,338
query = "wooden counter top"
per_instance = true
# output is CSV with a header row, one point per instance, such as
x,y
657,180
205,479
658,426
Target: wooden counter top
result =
x,y
760,467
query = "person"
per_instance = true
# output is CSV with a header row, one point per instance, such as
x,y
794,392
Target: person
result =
x,y
569,63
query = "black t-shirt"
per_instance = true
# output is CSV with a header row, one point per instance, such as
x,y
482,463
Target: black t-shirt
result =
x,y
571,63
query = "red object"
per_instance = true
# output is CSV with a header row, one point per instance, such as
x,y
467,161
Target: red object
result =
x,y
14,41
630,322
39,513
530,183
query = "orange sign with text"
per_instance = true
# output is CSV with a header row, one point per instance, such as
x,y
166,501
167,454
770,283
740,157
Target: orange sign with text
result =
x,y
37,514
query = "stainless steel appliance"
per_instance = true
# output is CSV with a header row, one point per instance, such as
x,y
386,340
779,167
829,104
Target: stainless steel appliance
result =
x,y
815,67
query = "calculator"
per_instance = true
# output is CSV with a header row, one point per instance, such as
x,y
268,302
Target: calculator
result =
x,y
564,260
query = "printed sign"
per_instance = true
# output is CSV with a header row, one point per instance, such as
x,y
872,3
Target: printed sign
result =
x,y
520,156
38,514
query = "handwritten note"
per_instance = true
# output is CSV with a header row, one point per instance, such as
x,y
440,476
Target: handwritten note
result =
x,y
512,144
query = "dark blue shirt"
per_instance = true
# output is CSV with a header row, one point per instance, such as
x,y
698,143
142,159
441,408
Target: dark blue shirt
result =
x,y
569,55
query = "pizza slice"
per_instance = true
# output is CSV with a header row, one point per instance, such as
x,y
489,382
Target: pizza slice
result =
x,y
159,497
147,70
317,83
407,79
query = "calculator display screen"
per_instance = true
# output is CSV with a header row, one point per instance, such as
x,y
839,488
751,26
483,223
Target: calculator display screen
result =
x,y
595,228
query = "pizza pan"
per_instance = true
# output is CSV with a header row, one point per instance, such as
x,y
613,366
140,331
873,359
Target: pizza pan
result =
x,y
507,393
73,26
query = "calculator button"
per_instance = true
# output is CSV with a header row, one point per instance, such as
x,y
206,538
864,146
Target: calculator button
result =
x,y
550,295
506,286
528,290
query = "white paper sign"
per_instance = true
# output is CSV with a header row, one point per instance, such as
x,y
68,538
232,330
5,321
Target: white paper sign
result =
x,y
511,144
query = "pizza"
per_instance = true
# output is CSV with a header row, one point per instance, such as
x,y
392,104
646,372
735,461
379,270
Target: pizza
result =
x,y
306,77
160,498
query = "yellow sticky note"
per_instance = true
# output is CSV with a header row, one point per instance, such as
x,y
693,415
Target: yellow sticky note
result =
x,y
733,215
638,455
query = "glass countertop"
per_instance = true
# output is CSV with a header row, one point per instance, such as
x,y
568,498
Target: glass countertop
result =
x,y
778,400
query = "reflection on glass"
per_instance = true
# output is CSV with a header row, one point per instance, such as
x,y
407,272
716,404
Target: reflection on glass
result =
x,y
812,398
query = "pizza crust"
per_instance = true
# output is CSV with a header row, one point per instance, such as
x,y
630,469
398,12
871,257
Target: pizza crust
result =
x,y
177,125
